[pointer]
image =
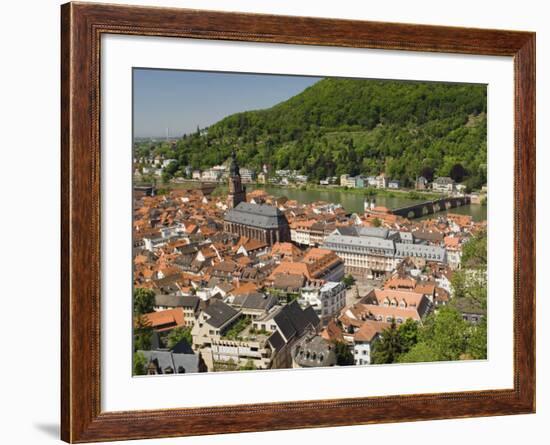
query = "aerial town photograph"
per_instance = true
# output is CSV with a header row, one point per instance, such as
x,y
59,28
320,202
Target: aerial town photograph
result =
x,y
284,222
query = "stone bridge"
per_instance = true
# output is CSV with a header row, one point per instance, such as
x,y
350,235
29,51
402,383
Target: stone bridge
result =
x,y
429,207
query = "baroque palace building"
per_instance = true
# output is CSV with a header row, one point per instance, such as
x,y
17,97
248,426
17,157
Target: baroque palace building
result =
x,y
262,222
370,252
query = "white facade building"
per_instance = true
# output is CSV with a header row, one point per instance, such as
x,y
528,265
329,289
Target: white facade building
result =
x,y
247,175
381,181
327,299
371,253
301,234
362,352
443,184
211,175
347,181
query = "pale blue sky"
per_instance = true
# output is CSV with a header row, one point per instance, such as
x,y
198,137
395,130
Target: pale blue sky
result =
x,y
181,100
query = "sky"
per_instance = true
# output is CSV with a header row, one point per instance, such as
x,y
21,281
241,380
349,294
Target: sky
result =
x,y
182,100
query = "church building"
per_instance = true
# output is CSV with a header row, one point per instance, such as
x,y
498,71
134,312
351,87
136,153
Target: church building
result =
x,y
258,221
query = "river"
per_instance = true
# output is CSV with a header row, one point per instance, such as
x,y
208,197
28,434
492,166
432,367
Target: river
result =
x,y
353,202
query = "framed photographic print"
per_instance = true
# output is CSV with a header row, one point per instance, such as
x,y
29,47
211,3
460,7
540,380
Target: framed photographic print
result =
x,y
275,222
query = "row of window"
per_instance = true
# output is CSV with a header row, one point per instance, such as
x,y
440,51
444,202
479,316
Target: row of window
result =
x,y
427,256
394,303
361,250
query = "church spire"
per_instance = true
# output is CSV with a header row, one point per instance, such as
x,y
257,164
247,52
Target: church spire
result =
x,y
237,192
234,169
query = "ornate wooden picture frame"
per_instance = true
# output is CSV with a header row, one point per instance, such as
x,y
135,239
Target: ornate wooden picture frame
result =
x,y
82,25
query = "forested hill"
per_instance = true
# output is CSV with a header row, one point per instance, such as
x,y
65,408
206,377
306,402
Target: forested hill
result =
x,y
355,126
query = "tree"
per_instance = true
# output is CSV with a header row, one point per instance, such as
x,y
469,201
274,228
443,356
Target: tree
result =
x,y
477,345
446,334
408,334
344,356
143,335
428,173
474,252
248,366
348,280
357,126
469,288
144,301
421,352
171,168
178,334
140,364
376,222
470,283
457,172
387,347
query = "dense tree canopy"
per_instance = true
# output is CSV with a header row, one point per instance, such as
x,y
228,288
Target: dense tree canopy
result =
x,y
387,346
477,347
344,356
144,301
178,334
474,252
140,364
143,335
469,284
353,126
395,341
446,333
443,336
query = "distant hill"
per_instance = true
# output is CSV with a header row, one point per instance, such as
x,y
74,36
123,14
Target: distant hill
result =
x,y
356,126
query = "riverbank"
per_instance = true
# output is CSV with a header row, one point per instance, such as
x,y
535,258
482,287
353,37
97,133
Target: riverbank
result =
x,y
351,199
369,191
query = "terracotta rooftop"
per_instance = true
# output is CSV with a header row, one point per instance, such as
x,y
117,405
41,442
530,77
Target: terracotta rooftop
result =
x,y
165,320
369,329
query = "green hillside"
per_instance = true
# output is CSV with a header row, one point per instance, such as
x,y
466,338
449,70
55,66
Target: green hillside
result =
x,y
355,126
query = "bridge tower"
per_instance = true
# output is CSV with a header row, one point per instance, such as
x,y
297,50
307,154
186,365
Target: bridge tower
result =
x,y
369,204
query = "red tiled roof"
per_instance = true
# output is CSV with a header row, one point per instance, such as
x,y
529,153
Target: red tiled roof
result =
x,y
165,320
369,329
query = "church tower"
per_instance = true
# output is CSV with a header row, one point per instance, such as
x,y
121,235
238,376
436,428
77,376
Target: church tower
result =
x,y
237,192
